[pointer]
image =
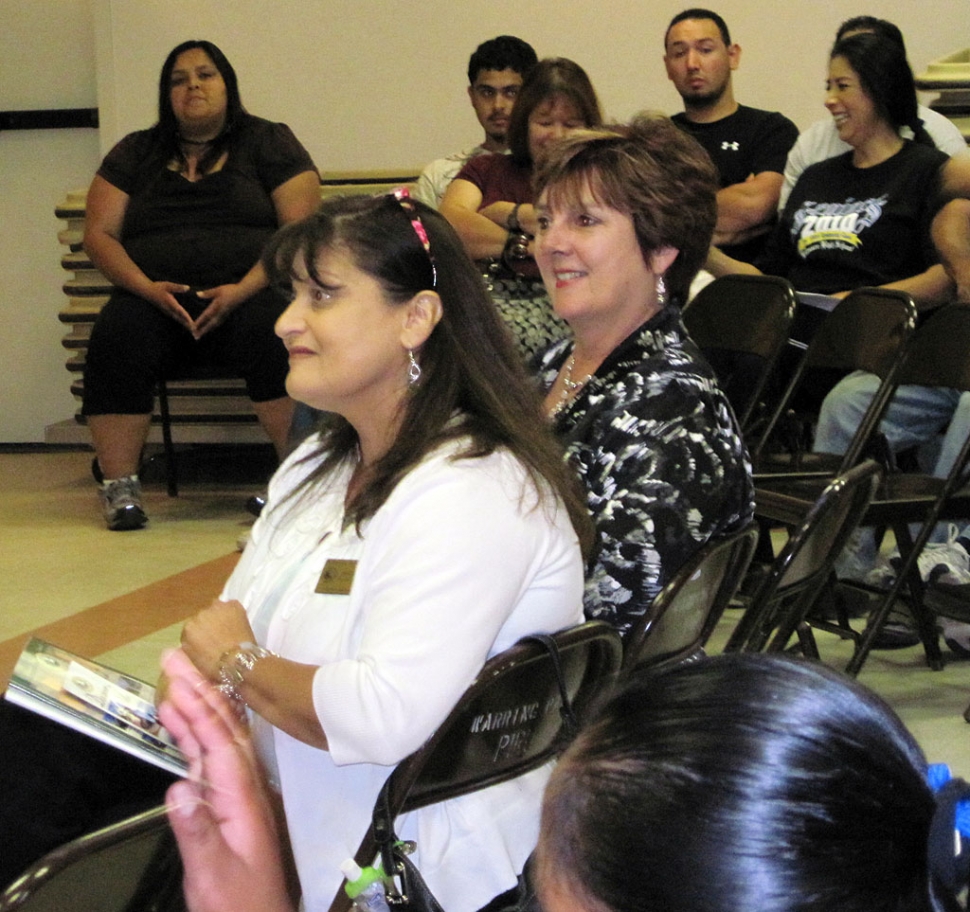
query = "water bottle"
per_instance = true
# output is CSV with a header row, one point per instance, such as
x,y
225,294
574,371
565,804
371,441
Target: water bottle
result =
x,y
365,886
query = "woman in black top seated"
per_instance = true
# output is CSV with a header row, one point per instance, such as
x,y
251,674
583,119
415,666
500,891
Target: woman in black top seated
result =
x,y
863,218
177,217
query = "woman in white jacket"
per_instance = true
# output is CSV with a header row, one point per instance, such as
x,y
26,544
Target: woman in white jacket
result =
x,y
430,523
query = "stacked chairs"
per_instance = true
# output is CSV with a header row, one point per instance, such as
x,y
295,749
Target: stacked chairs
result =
x,y
741,324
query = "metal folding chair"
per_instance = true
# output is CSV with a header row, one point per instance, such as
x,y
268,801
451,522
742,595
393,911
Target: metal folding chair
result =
x,y
464,755
741,325
802,571
867,331
937,356
683,616
130,866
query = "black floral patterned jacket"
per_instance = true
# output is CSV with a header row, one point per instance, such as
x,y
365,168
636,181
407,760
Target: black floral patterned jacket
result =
x,y
658,448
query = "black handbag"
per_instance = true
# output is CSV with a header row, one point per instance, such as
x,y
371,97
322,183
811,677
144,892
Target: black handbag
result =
x,y
405,888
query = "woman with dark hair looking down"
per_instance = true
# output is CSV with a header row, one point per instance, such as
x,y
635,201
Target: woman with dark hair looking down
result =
x,y
749,783
490,202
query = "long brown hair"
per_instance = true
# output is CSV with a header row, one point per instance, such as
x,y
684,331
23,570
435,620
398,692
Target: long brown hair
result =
x,y
469,365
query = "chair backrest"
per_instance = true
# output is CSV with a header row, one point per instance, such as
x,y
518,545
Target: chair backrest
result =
x,y
507,723
131,866
939,354
741,324
869,330
682,617
802,568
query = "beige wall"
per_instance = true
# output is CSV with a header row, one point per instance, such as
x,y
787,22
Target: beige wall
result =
x,y
372,83
364,83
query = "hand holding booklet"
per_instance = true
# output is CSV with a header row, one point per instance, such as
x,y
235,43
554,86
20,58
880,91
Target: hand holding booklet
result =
x,y
95,700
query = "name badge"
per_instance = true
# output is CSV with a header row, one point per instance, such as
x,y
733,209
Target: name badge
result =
x,y
337,577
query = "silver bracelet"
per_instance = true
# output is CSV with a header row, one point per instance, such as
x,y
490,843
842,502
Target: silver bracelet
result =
x,y
235,664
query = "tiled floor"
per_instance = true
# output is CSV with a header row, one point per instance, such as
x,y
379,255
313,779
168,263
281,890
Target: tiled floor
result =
x,y
57,560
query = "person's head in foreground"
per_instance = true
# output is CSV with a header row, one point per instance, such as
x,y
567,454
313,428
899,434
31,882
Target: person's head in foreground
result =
x,y
655,187
747,783
392,333
741,783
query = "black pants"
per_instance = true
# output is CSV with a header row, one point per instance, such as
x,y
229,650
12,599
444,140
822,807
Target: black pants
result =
x,y
57,784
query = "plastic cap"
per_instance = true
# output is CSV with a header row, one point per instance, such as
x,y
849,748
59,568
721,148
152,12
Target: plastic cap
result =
x,y
358,879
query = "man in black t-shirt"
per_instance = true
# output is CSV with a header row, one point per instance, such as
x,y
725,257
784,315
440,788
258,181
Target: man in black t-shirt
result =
x,y
748,146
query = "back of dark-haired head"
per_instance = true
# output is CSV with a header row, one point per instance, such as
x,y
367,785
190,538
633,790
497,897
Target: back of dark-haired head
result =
x,y
506,52
700,13
885,77
550,78
871,24
652,171
469,365
167,128
742,782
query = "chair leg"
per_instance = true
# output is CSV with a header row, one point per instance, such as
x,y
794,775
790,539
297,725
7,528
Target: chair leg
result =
x,y
171,470
806,640
908,576
925,621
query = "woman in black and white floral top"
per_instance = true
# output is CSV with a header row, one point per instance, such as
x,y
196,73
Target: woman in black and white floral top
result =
x,y
625,217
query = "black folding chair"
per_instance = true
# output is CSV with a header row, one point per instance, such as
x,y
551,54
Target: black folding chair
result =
x,y
464,755
937,356
741,325
683,616
802,571
131,866
197,380
867,331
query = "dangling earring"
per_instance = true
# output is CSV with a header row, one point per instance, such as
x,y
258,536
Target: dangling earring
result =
x,y
414,369
661,291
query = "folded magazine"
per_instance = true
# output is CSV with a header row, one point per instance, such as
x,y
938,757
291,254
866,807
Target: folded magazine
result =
x,y
95,700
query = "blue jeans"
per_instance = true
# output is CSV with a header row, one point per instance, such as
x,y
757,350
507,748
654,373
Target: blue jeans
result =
x,y
915,417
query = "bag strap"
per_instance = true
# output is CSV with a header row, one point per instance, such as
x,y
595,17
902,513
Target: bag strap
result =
x,y
567,713
394,860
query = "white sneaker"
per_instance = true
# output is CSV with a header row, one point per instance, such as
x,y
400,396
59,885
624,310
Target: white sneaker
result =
x,y
936,560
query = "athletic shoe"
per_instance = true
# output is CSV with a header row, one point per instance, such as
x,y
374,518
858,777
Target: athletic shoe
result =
x,y
956,635
935,560
939,562
121,504
858,557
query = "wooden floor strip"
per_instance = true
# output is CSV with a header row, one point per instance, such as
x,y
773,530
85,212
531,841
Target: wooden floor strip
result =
x,y
129,617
